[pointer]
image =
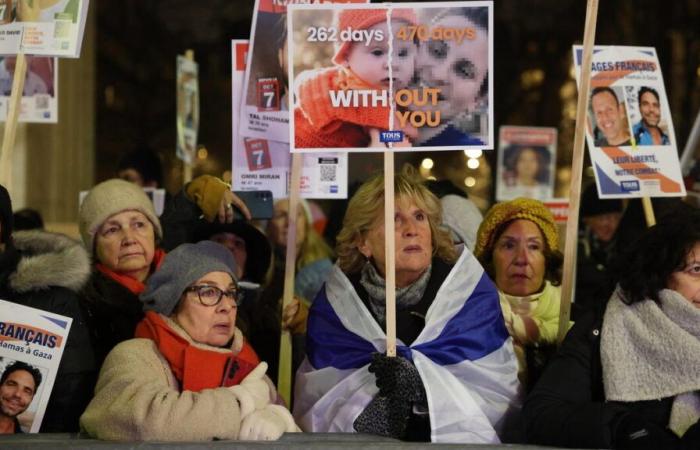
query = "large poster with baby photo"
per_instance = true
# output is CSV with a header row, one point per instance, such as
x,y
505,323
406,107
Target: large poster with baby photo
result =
x,y
629,130
526,162
31,346
265,111
261,164
39,102
42,27
396,76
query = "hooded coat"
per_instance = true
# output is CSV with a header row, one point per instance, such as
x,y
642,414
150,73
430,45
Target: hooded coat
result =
x,y
46,271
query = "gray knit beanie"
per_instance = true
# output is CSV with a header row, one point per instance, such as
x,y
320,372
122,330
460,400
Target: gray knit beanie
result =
x,y
182,267
109,198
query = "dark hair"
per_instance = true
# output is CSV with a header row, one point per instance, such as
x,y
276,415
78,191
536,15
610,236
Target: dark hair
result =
x,y
512,154
28,219
19,365
601,89
643,90
146,162
553,259
644,269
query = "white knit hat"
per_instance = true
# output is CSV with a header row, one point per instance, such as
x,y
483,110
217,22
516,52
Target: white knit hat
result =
x,y
109,198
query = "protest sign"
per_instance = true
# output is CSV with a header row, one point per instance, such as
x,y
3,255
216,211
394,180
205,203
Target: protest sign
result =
x,y
629,131
526,162
391,76
39,102
48,28
37,338
264,111
261,164
187,119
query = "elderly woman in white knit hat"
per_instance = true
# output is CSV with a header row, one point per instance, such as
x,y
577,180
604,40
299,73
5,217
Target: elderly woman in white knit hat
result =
x,y
121,231
188,375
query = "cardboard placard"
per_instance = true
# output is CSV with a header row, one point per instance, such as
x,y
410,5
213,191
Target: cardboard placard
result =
x,y
36,338
630,133
49,28
526,162
401,77
39,102
264,110
261,164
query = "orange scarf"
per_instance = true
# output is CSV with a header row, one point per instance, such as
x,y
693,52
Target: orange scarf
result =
x,y
135,286
195,367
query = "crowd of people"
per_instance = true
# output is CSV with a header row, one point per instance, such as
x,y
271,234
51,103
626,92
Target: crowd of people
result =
x,y
177,318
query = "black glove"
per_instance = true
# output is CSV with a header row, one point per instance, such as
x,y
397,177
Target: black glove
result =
x,y
383,417
631,432
397,378
691,438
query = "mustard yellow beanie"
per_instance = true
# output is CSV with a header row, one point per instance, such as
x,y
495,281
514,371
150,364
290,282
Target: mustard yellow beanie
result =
x,y
519,208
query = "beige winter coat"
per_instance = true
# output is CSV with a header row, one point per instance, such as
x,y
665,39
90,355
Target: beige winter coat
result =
x,y
137,398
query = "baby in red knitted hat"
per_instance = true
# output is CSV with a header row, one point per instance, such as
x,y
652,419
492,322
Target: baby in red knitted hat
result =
x,y
360,65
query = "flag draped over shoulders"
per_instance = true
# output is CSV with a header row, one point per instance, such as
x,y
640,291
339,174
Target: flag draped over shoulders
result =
x,y
464,356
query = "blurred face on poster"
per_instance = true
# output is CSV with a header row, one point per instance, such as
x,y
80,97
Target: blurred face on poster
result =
x,y
650,109
370,61
610,117
527,167
458,70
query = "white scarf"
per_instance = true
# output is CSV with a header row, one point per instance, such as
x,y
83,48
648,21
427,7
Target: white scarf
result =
x,y
651,351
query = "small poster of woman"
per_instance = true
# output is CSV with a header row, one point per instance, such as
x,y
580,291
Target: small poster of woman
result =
x,y
526,163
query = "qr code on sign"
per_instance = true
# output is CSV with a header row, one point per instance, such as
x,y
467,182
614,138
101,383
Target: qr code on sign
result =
x,y
328,172
41,101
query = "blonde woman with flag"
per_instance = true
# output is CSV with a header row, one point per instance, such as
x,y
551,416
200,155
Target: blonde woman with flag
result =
x,y
455,376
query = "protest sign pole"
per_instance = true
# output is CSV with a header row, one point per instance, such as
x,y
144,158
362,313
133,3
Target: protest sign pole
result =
x,y
390,253
284,373
648,211
8,139
187,166
577,169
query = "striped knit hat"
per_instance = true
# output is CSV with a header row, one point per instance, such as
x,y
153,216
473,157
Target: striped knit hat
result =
x,y
519,208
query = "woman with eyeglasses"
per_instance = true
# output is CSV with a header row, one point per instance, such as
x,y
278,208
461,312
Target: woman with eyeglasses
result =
x,y
189,375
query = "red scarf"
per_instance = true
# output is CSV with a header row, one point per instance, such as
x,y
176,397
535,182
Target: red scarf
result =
x,y
135,286
196,368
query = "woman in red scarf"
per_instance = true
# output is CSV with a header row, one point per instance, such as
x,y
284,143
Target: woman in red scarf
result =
x,y
188,375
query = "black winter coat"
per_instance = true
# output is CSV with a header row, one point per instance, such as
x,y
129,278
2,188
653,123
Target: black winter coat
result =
x,y
112,312
46,271
567,407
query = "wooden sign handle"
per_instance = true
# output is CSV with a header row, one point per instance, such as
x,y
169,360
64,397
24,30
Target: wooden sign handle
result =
x,y
8,139
390,266
571,241
187,166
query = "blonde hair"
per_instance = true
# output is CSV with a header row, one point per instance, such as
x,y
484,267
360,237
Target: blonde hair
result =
x,y
365,211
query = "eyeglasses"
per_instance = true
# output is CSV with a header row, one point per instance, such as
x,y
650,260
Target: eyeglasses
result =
x,y
212,295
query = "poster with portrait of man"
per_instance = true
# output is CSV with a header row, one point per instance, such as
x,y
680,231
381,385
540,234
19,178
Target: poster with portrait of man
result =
x,y
629,129
260,164
31,346
526,162
264,111
39,102
397,76
42,27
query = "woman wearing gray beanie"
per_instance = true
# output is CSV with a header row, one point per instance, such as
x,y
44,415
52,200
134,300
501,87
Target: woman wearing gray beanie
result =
x,y
188,375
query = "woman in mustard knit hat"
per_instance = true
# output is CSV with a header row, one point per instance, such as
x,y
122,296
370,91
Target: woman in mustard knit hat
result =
x,y
518,245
